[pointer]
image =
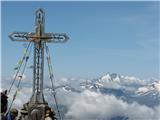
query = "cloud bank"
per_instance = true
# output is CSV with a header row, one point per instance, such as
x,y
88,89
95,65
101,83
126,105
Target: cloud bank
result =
x,y
90,105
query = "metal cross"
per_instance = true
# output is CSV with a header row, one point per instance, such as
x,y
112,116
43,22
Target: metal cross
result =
x,y
39,37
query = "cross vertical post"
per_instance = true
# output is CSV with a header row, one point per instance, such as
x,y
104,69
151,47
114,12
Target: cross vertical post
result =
x,y
38,60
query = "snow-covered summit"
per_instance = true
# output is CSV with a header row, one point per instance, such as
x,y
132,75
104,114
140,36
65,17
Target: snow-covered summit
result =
x,y
153,87
107,78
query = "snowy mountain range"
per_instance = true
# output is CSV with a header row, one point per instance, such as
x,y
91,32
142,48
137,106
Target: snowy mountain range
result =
x,y
127,88
109,97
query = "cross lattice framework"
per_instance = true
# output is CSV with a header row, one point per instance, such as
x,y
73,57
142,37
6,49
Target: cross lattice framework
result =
x,y
39,38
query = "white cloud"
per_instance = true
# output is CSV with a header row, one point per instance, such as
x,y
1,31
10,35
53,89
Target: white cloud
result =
x,y
91,105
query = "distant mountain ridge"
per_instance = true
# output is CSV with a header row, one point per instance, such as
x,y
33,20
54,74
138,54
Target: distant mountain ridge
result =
x,y
127,88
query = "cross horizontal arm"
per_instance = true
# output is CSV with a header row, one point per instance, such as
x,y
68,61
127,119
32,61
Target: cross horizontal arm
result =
x,y
31,37
57,37
21,36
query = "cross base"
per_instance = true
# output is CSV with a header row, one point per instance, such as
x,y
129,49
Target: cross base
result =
x,y
38,111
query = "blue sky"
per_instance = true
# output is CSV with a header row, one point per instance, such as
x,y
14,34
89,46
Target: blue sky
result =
x,y
115,37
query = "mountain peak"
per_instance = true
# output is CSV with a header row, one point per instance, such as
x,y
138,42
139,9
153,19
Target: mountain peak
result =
x,y
156,85
106,77
153,87
110,78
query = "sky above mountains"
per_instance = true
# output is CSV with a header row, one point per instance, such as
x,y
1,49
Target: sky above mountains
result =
x,y
119,37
